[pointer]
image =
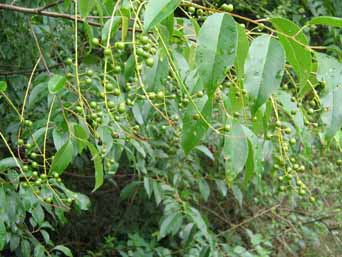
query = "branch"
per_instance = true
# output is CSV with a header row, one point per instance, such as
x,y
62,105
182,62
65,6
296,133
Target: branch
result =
x,y
40,11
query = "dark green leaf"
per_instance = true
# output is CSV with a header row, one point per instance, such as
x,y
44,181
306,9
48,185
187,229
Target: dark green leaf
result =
x,y
9,162
86,7
264,69
296,53
62,158
242,52
157,10
329,71
56,83
65,250
204,189
98,164
332,117
194,130
217,43
326,20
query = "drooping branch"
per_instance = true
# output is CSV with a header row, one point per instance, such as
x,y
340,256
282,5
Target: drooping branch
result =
x,y
40,11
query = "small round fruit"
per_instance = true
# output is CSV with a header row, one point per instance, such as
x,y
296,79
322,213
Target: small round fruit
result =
x,y
33,155
107,52
120,45
311,111
122,108
95,41
111,104
116,92
150,62
292,141
20,142
43,176
69,200
28,123
25,168
55,175
160,95
109,86
145,40
93,104
68,61
191,9
78,109
35,164
312,199
90,73
226,128
117,69
196,116
200,94
35,174
227,7
88,81
48,200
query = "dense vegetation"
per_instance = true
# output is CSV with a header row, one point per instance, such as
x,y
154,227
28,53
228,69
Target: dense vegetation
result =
x,y
170,128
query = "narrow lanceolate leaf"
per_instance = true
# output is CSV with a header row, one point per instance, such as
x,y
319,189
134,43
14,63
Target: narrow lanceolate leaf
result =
x,y
168,223
242,51
194,130
235,150
98,166
332,117
326,20
3,86
86,6
56,83
8,163
157,10
63,157
264,69
329,71
217,43
294,44
291,108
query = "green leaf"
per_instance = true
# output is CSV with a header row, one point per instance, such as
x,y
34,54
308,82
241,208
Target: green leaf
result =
x,y
237,194
62,158
196,217
65,250
167,225
204,189
105,134
56,83
264,69
39,250
38,214
3,233
81,137
235,150
9,162
326,20
297,55
37,94
155,76
25,247
241,52
289,106
157,10
194,130
157,191
99,176
3,86
206,151
111,25
129,189
82,201
86,7
329,71
147,186
217,43
332,117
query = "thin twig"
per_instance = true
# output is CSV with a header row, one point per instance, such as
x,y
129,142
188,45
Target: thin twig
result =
x,y
38,11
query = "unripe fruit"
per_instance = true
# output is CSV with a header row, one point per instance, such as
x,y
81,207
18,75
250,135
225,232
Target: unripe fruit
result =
x,y
150,62
90,73
95,41
227,7
68,61
191,9
116,92
226,128
145,40
93,104
107,52
122,108
20,142
119,45
196,116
